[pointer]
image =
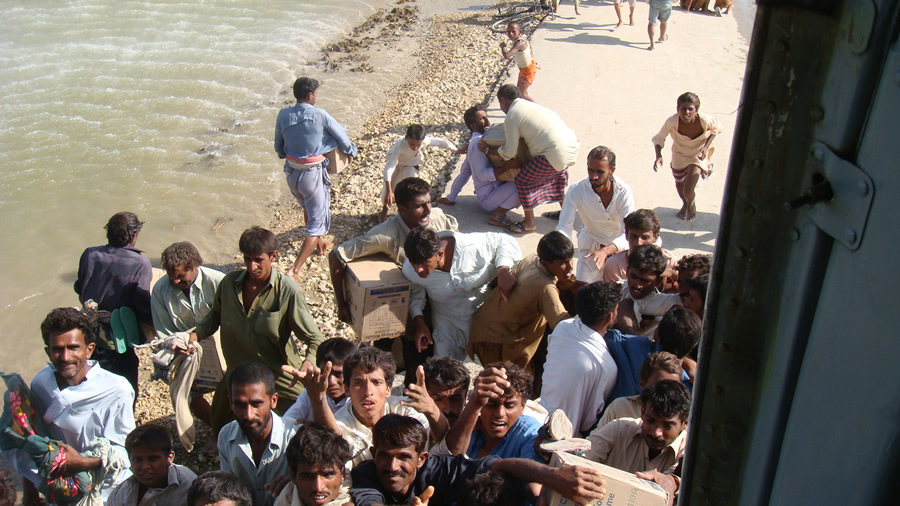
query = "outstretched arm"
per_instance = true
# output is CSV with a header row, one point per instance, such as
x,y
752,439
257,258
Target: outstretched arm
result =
x,y
576,483
315,381
420,401
489,384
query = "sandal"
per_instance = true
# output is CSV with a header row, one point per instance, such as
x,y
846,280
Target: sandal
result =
x,y
518,228
504,223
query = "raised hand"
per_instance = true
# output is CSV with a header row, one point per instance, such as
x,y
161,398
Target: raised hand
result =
x,y
418,395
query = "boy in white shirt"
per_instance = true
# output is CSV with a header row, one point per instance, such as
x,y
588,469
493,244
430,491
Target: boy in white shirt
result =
x,y
404,159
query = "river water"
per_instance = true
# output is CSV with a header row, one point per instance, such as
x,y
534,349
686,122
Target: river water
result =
x,y
165,108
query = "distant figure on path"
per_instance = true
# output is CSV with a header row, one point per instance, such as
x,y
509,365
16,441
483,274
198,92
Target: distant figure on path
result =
x,y
554,4
618,6
404,159
660,11
552,143
523,54
692,136
303,135
115,276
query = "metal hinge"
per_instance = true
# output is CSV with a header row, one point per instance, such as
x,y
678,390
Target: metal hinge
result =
x,y
840,197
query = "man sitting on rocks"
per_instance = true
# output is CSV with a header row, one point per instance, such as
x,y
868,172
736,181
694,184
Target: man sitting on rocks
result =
x,y
454,269
116,276
413,197
494,196
81,403
552,143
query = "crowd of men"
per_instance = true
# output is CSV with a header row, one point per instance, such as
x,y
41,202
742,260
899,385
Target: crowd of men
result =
x,y
592,339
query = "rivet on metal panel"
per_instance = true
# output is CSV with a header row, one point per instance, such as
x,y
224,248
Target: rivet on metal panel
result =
x,y
750,210
818,153
719,389
781,45
710,428
795,234
863,188
816,113
862,23
850,235
740,253
723,345
756,163
770,107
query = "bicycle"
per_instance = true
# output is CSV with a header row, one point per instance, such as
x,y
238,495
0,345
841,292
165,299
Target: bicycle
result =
x,y
528,14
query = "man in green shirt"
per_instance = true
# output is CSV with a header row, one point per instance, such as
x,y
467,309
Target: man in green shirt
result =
x,y
258,308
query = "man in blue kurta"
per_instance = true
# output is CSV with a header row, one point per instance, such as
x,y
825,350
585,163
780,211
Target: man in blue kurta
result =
x,y
303,135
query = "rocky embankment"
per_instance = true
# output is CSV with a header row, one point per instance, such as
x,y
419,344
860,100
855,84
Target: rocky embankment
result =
x,y
456,65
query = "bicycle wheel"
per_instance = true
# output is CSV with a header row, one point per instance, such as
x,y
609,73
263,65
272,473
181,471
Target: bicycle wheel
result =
x,y
525,20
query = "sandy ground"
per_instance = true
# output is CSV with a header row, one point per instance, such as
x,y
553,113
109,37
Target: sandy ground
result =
x,y
613,91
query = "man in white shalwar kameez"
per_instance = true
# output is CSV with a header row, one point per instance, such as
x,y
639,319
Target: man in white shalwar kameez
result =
x,y
603,201
454,269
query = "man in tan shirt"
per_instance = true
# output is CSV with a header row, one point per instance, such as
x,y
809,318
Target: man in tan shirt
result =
x,y
510,329
655,441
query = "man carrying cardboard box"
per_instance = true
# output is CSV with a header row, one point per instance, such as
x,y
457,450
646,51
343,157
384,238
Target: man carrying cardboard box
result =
x,y
413,198
655,441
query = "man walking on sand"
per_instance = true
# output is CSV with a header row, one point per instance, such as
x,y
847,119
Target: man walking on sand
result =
x,y
618,6
303,135
660,11
552,143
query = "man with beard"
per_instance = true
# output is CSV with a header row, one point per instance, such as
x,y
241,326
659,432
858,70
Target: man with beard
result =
x,y
316,458
80,401
495,197
252,447
402,472
655,441
602,201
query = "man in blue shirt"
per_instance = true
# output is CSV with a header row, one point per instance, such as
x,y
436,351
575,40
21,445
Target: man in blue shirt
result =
x,y
303,135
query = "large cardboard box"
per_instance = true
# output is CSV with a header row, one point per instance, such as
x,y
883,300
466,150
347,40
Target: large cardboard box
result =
x,y
337,160
378,295
622,489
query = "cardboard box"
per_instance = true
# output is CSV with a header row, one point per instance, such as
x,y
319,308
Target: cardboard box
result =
x,y
337,160
378,295
622,489
212,365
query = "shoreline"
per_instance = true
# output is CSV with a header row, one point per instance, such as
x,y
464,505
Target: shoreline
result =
x,y
456,65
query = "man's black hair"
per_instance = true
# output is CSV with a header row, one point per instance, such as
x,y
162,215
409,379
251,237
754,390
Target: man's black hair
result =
x,y
679,331
509,92
647,258
368,359
335,350
447,372
181,254
64,319
520,381
491,489
700,284
689,97
316,445
152,436
214,486
643,220
251,373
668,399
397,431
700,263
555,246
257,240
594,302
415,132
601,152
304,86
410,188
421,244
122,228
469,115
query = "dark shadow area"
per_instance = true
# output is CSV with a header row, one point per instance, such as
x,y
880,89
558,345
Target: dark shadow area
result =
x,y
605,40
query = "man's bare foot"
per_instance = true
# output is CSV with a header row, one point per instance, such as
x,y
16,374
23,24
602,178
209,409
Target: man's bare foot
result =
x,y
663,38
630,21
619,23
651,47
446,202
691,213
682,213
